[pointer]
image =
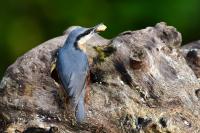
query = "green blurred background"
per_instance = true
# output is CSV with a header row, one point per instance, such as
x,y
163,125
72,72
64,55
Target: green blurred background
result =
x,y
25,23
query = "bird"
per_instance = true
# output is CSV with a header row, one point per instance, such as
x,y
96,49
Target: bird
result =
x,y
73,67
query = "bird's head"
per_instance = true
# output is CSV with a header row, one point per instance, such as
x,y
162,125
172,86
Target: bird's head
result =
x,y
81,35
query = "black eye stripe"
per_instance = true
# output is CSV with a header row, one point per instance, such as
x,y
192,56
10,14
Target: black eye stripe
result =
x,y
84,34
81,35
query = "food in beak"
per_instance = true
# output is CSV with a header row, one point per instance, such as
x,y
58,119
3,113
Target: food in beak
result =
x,y
100,27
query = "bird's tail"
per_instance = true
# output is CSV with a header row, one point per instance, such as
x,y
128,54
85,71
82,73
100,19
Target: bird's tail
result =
x,y
80,110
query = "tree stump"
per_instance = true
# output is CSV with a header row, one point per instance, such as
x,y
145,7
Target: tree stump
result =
x,y
140,82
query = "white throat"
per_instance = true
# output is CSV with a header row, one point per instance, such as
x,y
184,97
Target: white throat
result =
x,y
82,42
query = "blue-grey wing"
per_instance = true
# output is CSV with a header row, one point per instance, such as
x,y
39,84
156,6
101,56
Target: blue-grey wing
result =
x,y
76,86
72,72
77,90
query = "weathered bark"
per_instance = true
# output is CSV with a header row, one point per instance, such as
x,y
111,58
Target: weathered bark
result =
x,y
191,52
140,82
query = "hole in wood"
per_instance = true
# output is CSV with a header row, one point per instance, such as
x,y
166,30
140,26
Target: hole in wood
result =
x,y
54,75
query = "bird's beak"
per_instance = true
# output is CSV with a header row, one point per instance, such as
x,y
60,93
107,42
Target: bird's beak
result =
x,y
98,28
90,32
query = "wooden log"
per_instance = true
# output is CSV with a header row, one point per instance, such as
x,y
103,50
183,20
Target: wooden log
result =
x,y
140,82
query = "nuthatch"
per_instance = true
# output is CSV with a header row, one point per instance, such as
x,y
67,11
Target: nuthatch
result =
x,y
72,66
